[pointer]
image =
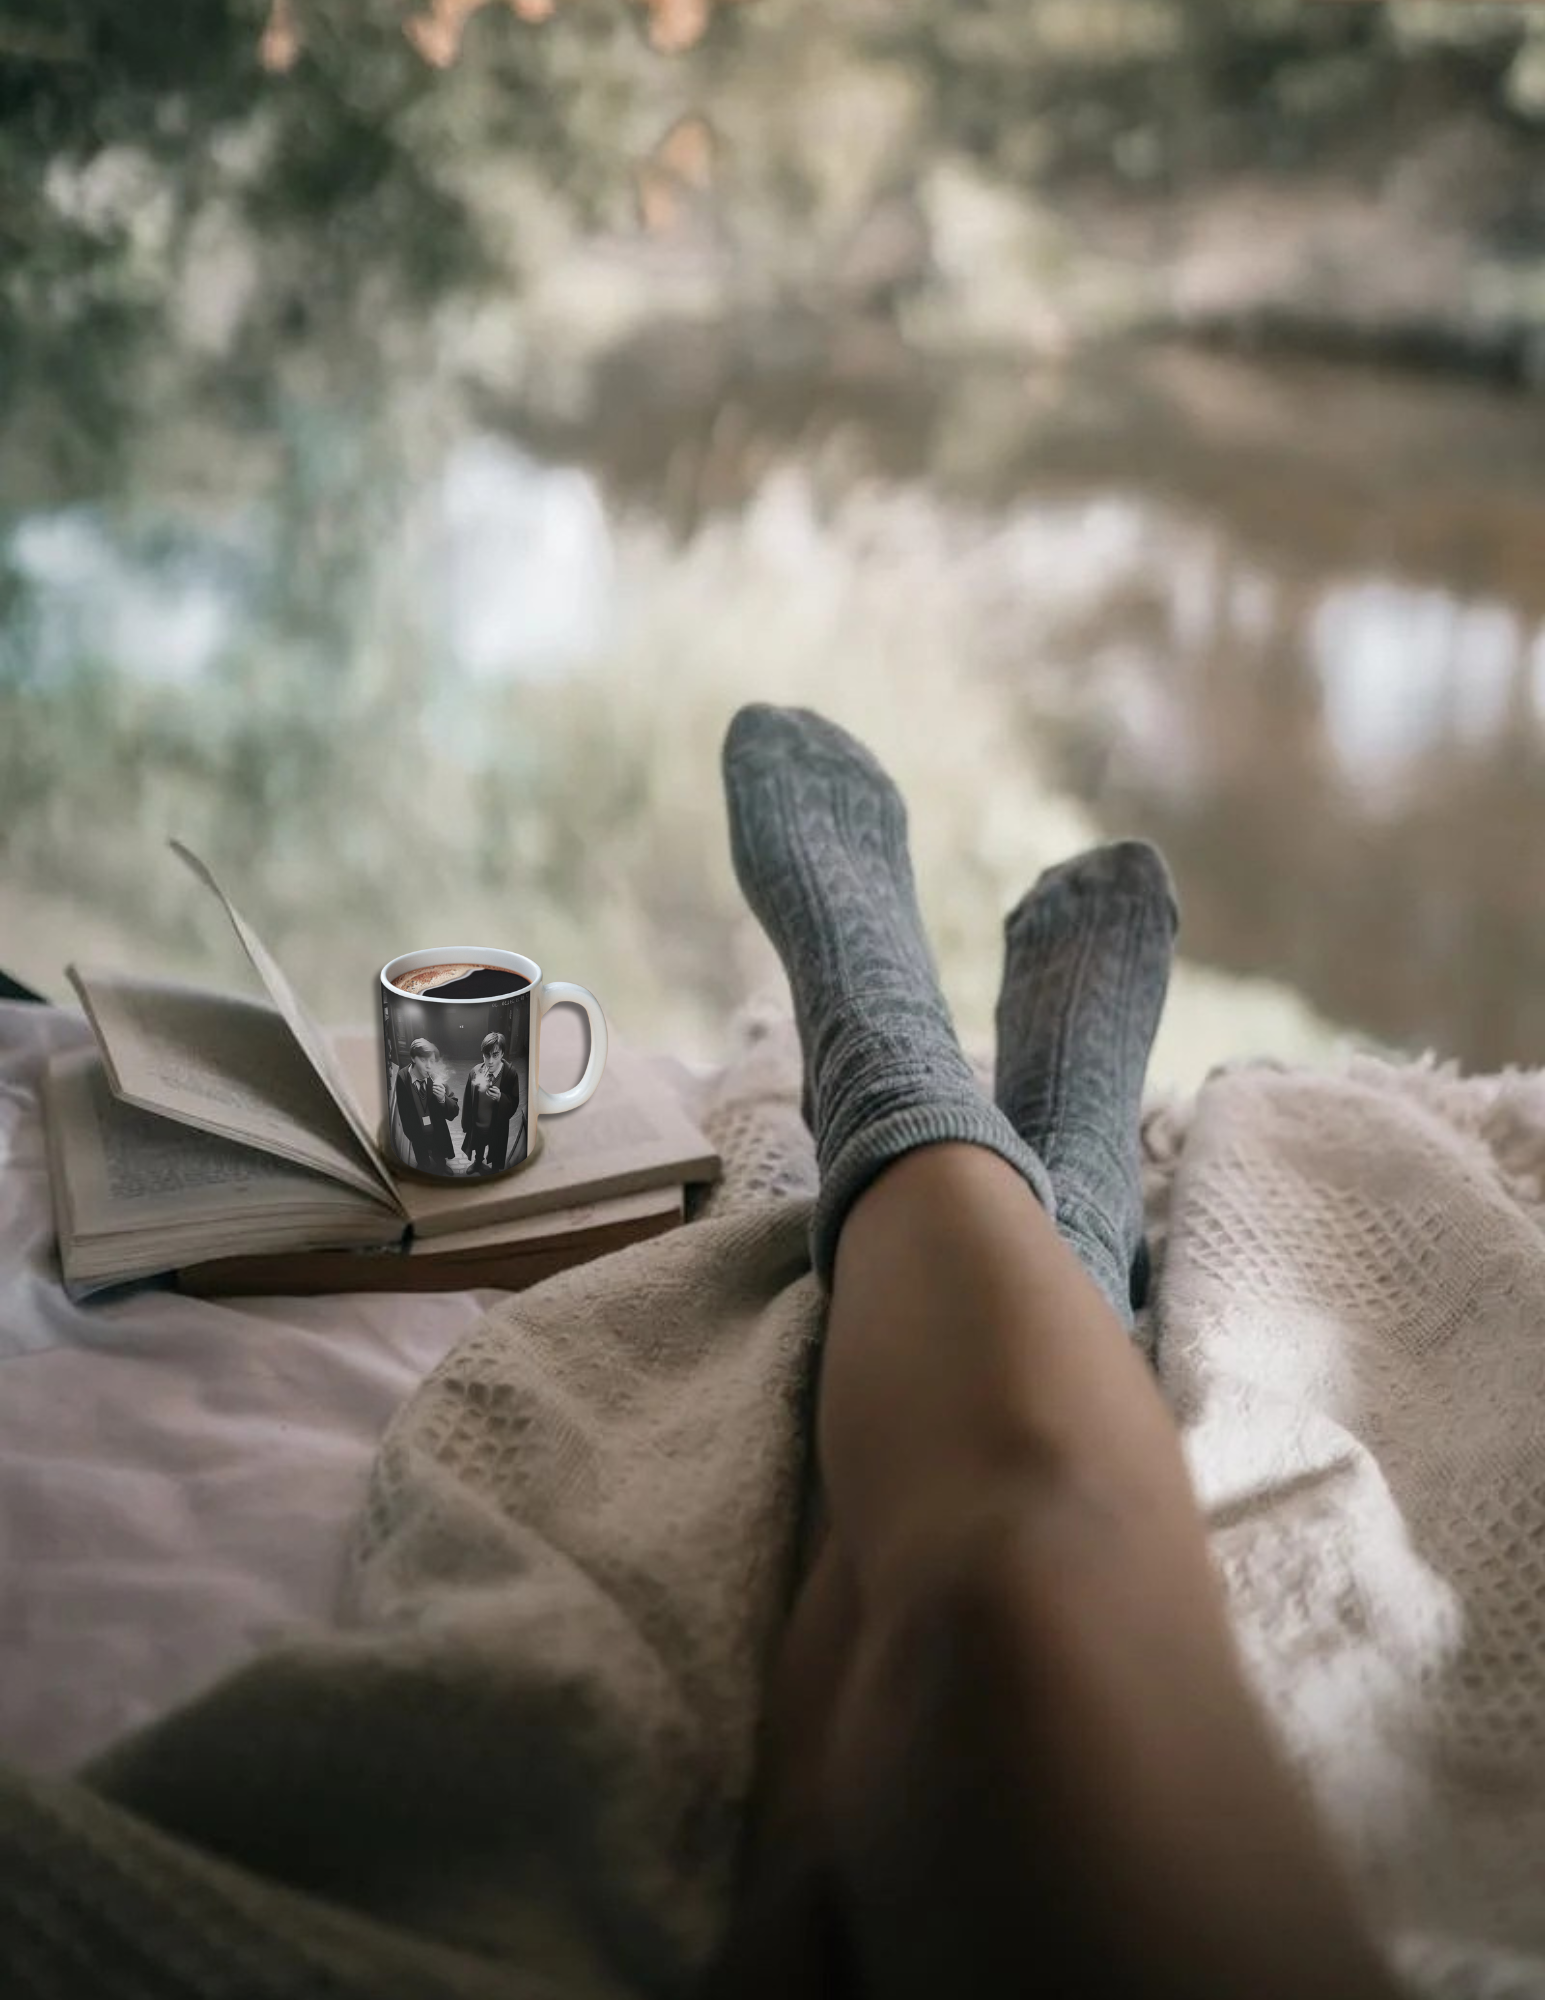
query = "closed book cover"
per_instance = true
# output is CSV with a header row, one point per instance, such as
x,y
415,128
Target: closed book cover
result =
x,y
506,1261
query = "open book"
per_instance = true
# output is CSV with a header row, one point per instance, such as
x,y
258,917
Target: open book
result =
x,y
206,1127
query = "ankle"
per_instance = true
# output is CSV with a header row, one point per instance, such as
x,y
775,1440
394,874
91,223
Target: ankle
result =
x,y
976,1162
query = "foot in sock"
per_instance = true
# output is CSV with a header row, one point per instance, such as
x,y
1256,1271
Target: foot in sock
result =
x,y
818,834
1086,965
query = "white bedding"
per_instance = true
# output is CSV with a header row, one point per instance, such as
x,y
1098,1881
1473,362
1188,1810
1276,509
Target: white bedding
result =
x,y
178,1476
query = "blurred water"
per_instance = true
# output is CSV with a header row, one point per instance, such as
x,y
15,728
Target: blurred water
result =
x,y
514,724
413,584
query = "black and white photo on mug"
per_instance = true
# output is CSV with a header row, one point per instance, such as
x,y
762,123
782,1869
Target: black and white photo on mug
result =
x,y
456,1082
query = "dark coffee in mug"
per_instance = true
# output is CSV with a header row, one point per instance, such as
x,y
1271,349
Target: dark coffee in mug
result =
x,y
461,982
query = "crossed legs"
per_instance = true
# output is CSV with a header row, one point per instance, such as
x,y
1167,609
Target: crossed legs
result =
x,y
1010,1741
1009,1746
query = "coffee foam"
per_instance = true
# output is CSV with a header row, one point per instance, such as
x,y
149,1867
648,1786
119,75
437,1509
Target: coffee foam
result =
x,y
427,977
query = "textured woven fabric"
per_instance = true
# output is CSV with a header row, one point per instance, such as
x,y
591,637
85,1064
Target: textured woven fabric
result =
x,y
1352,1334
1086,964
520,1772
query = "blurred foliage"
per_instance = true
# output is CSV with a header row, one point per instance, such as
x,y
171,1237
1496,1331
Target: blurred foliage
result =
x,y
150,167
261,268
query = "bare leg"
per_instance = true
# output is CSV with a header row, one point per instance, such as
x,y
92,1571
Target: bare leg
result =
x,y
1042,1751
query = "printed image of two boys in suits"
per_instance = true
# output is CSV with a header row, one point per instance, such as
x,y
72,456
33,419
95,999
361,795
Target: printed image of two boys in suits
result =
x,y
492,1100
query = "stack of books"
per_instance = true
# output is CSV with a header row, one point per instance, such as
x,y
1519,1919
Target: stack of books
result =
x,y
233,1142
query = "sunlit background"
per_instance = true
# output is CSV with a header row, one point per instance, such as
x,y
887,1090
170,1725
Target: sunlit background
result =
x,y
421,427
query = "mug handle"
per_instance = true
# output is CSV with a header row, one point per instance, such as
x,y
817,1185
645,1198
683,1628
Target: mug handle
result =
x,y
557,992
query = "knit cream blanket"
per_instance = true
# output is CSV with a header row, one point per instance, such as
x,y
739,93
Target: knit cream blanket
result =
x,y
520,1771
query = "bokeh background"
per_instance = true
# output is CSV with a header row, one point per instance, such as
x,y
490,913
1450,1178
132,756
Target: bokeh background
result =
x,y
421,425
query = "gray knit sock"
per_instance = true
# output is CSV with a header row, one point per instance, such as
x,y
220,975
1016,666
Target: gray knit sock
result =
x,y
1086,963
818,834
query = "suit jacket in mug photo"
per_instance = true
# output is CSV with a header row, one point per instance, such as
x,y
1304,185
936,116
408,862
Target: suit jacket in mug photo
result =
x,y
426,1109
487,1113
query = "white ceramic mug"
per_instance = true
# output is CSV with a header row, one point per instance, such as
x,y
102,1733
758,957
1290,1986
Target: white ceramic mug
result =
x,y
462,1095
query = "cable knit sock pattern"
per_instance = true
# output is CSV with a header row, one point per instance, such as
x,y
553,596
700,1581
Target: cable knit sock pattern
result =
x,y
818,833
1086,965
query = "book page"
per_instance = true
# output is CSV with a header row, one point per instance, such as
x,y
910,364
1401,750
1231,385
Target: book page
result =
x,y
223,1064
123,1166
135,1193
632,1134
313,1042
